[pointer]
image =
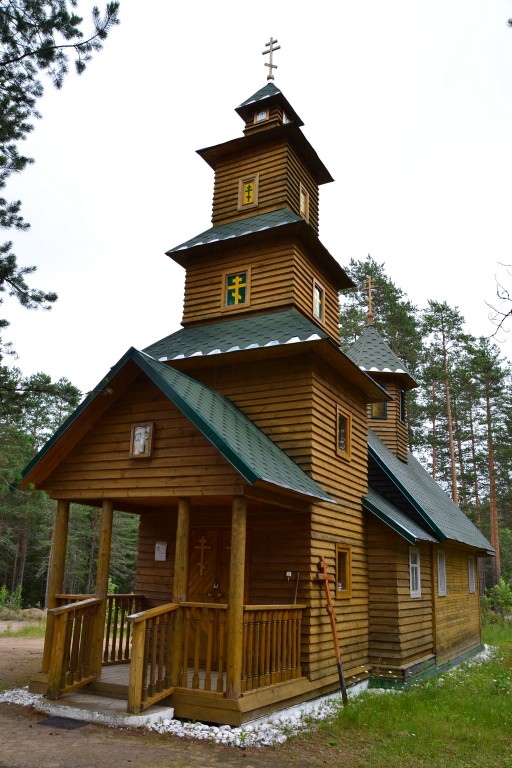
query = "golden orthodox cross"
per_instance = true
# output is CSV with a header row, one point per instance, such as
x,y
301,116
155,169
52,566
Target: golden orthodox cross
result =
x,y
202,549
370,289
271,48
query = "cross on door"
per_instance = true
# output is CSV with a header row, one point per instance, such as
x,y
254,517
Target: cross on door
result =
x,y
202,547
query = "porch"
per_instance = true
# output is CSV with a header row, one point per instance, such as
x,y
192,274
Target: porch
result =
x,y
176,652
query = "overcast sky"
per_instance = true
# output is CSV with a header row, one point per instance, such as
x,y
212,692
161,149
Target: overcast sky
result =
x,y
408,104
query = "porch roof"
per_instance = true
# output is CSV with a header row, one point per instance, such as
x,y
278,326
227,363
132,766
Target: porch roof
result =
x,y
249,450
445,519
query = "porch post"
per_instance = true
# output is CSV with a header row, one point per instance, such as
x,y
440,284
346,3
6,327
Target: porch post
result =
x,y
179,586
102,574
236,598
56,576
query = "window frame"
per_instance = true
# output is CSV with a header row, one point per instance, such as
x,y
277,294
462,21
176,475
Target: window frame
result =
x,y
414,568
346,577
303,196
318,286
255,178
381,404
344,414
442,585
241,305
403,407
257,118
471,574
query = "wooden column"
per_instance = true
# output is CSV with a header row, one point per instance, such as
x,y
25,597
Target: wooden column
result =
x,y
179,587
236,598
102,574
56,577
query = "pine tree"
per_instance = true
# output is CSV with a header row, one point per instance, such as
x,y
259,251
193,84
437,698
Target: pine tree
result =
x,y
35,39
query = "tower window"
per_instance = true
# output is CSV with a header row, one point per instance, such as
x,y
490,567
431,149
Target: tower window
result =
x,y
379,410
343,433
248,192
402,406
304,202
318,301
260,115
237,288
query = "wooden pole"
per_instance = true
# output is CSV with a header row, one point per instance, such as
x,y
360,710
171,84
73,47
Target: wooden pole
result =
x,y
324,576
57,569
179,587
236,598
102,574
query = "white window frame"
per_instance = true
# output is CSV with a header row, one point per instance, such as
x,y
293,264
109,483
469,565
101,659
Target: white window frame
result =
x,y
471,574
441,573
414,572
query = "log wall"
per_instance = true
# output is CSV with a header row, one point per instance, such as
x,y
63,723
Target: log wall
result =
x,y
281,276
280,173
457,614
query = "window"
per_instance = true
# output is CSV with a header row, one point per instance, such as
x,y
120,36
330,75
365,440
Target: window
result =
x,y
343,433
248,192
318,301
343,571
402,406
471,574
379,410
236,288
414,572
441,573
304,202
260,115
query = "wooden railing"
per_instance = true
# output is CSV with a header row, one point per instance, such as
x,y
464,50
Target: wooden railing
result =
x,y
117,636
203,663
151,658
71,660
271,644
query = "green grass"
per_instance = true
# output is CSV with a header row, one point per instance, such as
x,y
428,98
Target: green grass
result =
x,y
461,719
36,629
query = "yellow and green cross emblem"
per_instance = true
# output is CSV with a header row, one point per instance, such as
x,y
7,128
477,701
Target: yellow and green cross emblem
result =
x,y
236,289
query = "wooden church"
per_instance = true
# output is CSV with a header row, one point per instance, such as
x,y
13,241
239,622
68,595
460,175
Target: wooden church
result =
x,y
254,450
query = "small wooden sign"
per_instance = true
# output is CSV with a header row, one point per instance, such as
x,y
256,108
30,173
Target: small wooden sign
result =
x,y
141,442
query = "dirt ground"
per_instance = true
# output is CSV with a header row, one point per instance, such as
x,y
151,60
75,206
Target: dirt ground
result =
x,y
26,743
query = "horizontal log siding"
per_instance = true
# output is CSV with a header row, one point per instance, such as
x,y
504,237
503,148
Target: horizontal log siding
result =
x,y
281,276
183,463
280,172
342,523
457,614
401,627
154,579
391,430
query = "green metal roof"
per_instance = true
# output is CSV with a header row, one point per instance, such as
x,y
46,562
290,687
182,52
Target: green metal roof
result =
x,y
374,355
238,440
241,333
239,228
442,516
395,518
242,444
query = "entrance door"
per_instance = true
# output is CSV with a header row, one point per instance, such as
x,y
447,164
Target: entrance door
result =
x,y
208,579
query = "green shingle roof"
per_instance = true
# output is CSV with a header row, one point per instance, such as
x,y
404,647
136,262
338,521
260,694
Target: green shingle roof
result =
x,y
269,91
249,332
395,518
446,520
239,228
374,355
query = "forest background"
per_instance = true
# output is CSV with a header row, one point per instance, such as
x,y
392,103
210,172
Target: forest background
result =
x,y
460,428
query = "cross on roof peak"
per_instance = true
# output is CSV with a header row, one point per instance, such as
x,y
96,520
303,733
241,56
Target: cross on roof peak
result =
x,y
369,289
271,45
